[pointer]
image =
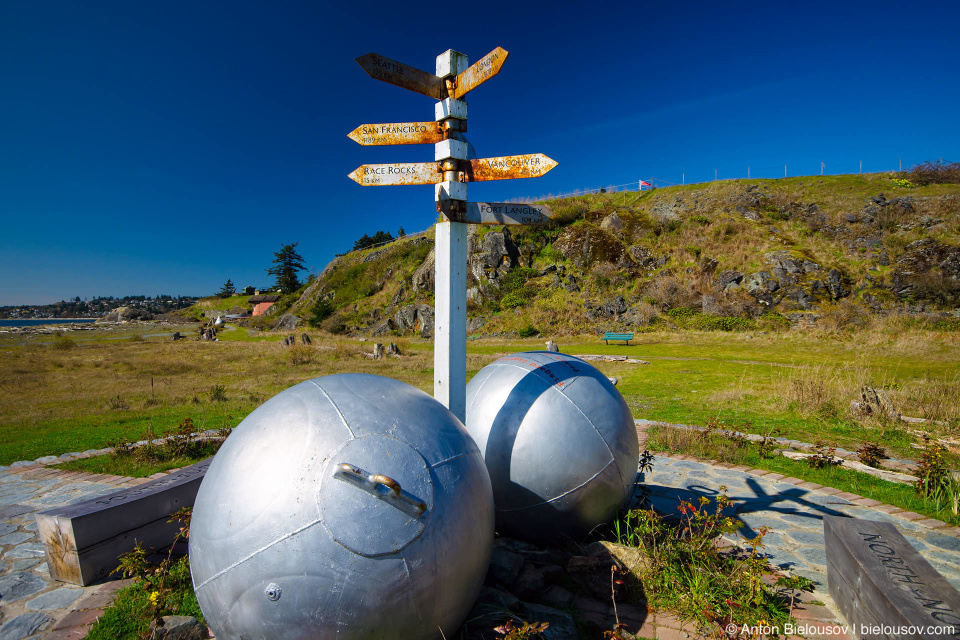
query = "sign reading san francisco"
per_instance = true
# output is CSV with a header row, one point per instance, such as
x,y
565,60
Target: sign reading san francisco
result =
x,y
398,173
397,133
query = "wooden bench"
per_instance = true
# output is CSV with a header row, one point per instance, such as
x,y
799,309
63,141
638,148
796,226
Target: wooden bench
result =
x,y
83,541
882,585
610,335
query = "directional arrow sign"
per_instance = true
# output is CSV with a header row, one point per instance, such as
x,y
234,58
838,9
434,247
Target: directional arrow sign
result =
x,y
499,213
479,72
398,173
532,165
402,75
397,133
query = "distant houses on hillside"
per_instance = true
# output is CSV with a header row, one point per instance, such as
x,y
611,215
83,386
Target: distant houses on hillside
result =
x,y
262,302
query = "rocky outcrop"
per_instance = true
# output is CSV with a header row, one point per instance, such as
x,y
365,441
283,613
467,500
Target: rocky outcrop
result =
x,y
128,314
288,322
789,267
587,244
426,273
492,256
613,308
928,270
726,278
415,317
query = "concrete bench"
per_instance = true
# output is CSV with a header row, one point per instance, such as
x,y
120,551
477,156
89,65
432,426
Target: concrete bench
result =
x,y
626,337
883,587
83,541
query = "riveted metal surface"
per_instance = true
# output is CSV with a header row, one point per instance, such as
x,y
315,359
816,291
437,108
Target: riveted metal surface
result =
x,y
558,440
402,75
531,165
398,133
281,549
370,175
479,72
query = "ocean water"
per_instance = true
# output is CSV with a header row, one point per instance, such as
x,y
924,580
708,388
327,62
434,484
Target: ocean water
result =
x,y
33,322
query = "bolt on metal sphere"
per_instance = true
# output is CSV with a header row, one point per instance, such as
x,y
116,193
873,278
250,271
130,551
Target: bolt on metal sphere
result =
x,y
349,506
558,440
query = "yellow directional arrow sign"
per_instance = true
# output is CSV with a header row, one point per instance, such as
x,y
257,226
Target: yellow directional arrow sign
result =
x,y
479,72
402,75
397,133
398,173
532,165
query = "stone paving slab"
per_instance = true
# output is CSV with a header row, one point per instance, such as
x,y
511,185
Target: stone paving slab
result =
x,y
33,605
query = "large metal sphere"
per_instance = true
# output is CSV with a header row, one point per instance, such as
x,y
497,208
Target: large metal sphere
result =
x,y
349,506
558,440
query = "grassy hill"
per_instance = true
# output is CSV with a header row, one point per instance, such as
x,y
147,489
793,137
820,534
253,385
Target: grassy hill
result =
x,y
833,251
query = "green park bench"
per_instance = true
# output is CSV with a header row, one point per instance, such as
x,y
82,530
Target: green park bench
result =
x,y
610,335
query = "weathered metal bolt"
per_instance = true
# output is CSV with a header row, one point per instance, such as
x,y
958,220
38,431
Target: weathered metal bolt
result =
x,y
273,592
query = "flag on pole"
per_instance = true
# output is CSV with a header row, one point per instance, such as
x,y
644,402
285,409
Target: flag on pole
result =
x,y
643,184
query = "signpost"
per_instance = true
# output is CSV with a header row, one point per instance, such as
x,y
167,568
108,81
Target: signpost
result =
x,y
452,169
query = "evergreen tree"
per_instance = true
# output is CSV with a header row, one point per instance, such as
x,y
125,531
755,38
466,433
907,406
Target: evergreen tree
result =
x,y
287,263
226,290
380,237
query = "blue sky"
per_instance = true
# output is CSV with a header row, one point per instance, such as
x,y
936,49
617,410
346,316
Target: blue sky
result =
x,y
163,147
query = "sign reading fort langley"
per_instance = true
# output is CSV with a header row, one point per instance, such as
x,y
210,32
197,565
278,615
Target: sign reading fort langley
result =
x,y
453,167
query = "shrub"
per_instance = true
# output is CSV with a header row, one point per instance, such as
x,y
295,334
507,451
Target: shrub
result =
x,y
320,311
218,393
720,323
680,313
932,474
938,172
700,219
823,456
871,454
62,342
528,331
301,354
688,572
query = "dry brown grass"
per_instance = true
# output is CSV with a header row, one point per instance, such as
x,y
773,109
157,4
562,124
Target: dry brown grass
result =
x,y
97,391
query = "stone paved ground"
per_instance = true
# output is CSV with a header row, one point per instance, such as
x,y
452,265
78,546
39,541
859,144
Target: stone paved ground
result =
x,y
34,606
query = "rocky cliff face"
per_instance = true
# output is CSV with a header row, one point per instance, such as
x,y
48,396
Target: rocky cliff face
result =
x,y
792,248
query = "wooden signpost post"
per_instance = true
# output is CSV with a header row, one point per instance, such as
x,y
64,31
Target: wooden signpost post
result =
x,y
450,172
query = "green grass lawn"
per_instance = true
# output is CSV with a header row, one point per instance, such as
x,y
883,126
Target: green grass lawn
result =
x,y
100,390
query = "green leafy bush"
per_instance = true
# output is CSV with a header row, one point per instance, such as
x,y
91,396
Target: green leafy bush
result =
x,y
720,323
528,331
